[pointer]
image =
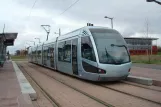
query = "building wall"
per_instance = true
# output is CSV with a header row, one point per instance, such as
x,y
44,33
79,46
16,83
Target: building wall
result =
x,y
141,46
2,51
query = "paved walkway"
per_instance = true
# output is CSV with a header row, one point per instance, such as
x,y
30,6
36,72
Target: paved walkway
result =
x,y
151,66
10,92
146,72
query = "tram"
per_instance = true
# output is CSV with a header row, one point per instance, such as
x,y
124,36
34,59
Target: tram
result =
x,y
91,53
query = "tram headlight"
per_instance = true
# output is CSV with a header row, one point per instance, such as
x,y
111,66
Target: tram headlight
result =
x,y
129,70
101,71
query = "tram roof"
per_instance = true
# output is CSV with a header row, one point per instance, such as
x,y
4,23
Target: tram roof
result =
x,y
80,31
74,33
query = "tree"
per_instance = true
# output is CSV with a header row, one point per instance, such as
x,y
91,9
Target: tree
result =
x,y
159,49
17,52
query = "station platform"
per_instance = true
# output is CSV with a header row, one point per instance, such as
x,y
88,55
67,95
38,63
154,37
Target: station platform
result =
x,y
154,74
10,91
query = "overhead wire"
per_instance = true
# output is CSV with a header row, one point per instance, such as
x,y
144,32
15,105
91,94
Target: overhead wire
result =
x,y
60,13
68,7
32,7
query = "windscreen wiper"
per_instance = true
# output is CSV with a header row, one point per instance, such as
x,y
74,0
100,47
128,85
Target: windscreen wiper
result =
x,y
107,54
118,45
122,46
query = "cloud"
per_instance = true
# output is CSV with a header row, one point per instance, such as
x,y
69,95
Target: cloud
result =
x,y
130,17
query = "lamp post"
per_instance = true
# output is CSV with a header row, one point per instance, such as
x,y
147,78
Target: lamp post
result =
x,y
47,29
154,1
59,32
38,39
111,18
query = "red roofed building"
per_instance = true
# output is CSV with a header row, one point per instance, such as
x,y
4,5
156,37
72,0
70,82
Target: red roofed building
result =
x,y
141,46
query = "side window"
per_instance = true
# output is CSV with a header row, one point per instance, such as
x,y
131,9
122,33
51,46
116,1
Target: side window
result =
x,y
38,53
45,52
48,52
51,51
60,51
87,49
74,49
64,51
67,51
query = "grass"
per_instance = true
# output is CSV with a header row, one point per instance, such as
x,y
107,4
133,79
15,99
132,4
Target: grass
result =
x,y
154,59
19,58
159,53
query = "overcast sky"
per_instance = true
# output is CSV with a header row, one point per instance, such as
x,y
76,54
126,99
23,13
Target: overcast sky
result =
x,y
130,17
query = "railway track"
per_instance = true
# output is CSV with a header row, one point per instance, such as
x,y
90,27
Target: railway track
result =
x,y
56,104
154,88
104,86
52,101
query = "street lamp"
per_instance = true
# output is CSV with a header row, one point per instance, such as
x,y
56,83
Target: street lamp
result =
x,y
59,32
153,1
46,29
111,18
38,39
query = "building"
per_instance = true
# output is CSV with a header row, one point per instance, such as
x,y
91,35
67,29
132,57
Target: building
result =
x,y
6,39
141,46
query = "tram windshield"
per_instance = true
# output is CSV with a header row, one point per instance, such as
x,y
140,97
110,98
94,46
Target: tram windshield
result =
x,y
110,46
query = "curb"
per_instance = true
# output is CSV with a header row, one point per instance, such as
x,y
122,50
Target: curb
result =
x,y
144,81
140,80
157,83
25,86
24,101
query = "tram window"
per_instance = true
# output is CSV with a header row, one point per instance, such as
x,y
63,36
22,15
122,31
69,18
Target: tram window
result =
x,y
45,52
87,49
64,51
48,53
38,53
74,49
60,51
51,51
67,51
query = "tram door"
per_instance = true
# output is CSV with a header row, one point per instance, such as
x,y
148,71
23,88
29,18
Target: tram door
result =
x,y
45,55
52,56
74,56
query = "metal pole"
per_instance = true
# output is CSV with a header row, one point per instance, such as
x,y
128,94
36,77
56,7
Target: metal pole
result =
x,y
47,30
47,36
112,23
3,28
59,32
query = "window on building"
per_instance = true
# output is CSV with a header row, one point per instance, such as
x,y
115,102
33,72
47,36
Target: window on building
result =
x,y
87,49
